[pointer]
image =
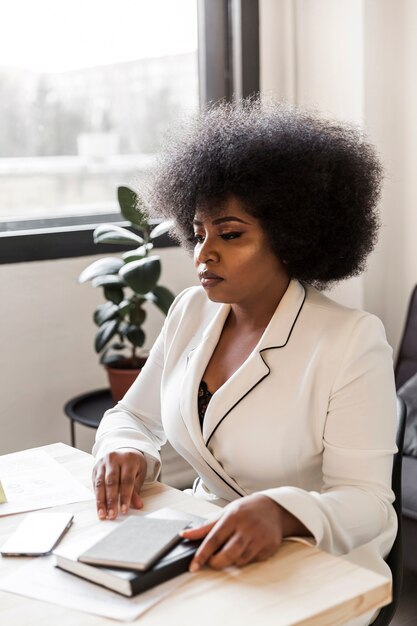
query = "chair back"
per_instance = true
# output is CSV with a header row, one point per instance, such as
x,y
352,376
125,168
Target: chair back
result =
x,y
406,364
395,557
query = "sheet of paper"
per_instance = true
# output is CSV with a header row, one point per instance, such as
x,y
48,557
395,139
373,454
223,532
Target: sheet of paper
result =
x,y
32,480
41,580
3,498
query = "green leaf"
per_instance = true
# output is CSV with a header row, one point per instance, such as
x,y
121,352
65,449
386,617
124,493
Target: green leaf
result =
x,y
113,293
132,207
118,346
124,307
164,298
105,312
161,229
139,253
109,233
142,276
108,265
111,359
136,336
105,333
108,279
137,315
123,328
103,356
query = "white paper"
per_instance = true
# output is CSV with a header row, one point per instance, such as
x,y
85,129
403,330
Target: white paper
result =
x,y
33,480
39,579
86,537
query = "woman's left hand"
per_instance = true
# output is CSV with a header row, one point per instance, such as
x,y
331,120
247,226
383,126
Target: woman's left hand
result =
x,y
249,529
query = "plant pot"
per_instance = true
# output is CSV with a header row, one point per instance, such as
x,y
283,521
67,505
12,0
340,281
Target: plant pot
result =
x,y
121,377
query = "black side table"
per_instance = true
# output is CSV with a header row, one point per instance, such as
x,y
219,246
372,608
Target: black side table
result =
x,y
88,409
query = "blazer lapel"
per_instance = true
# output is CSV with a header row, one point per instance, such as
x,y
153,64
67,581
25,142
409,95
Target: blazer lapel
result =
x,y
255,368
197,361
248,376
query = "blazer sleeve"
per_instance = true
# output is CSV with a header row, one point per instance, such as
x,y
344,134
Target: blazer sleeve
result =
x,y
135,421
354,504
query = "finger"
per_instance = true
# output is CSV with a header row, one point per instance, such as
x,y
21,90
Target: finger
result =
x,y
213,542
251,553
127,486
230,552
112,483
264,555
136,501
197,533
100,491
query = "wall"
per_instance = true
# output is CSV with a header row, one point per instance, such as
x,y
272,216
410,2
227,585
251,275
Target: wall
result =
x,y
47,353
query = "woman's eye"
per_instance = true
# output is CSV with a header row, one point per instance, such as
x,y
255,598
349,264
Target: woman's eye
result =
x,y
196,239
228,236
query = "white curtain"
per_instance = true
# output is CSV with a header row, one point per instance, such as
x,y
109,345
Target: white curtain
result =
x,y
356,60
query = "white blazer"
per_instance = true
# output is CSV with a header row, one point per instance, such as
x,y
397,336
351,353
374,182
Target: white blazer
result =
x,y
309,419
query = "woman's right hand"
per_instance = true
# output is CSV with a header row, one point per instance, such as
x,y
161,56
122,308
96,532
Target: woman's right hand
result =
x,y
118,478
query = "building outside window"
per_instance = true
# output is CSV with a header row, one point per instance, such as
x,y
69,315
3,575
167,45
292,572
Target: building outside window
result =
x,y
88,90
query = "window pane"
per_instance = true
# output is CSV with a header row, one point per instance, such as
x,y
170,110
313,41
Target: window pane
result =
x,y
87,90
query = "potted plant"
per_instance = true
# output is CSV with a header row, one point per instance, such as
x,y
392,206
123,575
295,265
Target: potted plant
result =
x,y
129,282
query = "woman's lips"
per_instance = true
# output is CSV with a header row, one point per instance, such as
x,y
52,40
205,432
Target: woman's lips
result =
x,y
208,279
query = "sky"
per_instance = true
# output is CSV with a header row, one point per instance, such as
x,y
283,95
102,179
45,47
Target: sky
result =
x,y
61,35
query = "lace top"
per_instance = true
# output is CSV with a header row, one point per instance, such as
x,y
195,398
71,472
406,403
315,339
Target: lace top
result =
x,y
204,397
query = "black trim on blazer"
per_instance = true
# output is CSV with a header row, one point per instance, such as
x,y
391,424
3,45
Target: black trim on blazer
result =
x,y
236,403
221,478
267,374
207,463
200,481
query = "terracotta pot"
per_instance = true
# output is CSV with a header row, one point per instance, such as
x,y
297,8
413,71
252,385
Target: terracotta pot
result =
x,y
122,378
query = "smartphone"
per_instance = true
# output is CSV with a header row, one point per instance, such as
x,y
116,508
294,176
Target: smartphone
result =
x,y
38,534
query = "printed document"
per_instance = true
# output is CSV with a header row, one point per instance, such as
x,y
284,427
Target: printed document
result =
x,y
32,480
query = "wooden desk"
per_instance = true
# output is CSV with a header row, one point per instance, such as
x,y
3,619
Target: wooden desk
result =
x,y
300,585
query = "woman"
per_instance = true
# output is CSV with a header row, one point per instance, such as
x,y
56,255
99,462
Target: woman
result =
x,y
282,400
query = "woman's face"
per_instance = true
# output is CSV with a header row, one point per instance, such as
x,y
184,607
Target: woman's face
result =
x,y
233,257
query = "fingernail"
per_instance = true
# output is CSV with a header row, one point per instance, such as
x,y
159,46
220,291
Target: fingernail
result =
x,y
111,513
101,513
123,509
194,567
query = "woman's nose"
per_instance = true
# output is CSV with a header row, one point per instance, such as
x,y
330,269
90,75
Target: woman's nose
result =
x,y
206,251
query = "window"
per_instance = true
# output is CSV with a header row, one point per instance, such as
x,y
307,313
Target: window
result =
x,y
87,91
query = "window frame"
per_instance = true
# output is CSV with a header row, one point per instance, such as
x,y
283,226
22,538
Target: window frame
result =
x,y
228,69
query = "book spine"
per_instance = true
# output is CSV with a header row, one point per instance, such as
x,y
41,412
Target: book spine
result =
x,y
159,575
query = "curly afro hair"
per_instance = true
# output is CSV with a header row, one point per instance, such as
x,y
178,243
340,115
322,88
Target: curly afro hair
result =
x,y
312,183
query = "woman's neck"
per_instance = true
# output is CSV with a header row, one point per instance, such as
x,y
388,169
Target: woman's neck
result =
x,y
256,315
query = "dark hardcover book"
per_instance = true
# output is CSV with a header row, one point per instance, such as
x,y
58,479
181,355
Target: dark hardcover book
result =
x,y
132,582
